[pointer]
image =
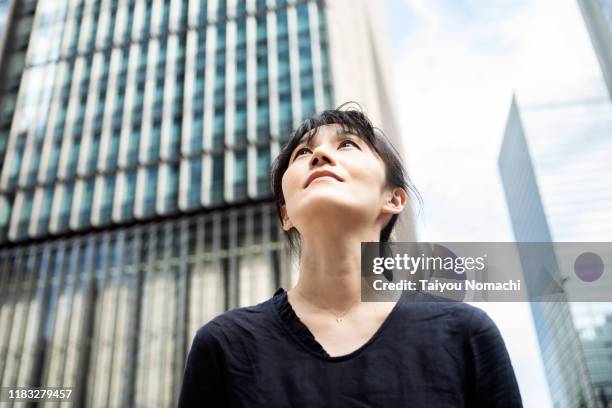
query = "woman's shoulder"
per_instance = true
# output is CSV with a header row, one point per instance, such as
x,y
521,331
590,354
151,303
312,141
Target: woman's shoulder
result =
x,y
457,314
252,318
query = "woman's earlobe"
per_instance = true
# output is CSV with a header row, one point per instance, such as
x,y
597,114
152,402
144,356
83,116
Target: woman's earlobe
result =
x,y
287,224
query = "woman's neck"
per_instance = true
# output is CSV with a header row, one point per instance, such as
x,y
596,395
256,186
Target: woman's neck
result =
x,y
330,270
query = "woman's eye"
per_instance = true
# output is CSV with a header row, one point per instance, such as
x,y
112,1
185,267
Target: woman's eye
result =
x,y
299,151
349,141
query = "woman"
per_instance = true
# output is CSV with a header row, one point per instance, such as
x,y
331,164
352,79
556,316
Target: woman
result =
x,y
337,183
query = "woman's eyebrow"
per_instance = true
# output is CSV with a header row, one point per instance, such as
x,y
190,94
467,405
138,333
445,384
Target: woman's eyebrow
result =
x,y
337,135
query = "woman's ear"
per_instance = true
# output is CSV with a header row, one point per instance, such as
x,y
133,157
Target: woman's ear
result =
x,y
395,201
287,224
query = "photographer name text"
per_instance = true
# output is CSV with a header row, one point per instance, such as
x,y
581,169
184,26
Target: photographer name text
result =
x,y
448,286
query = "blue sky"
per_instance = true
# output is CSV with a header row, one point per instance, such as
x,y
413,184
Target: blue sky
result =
x,y
456,65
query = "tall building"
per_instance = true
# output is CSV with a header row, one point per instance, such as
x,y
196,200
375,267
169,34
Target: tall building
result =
x,y
136,138
3,16
16,19
562,353
598,18
554,173
555,166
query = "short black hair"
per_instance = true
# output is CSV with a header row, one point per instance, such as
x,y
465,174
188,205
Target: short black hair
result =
x,y
352,120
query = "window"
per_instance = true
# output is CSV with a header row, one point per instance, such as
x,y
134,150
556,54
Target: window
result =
x,y
93,153
45,211
240,121
74,155
132,154
175,136
154,142
111,157
85,204
240,175
108,193
219,127
127,206
66,206
6,205
221,10
197,131
150,191
218,177
263,121
172,186
24,215
263,170
195,183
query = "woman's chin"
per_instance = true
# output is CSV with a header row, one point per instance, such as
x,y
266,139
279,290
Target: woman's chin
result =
x,y
326,200
327,207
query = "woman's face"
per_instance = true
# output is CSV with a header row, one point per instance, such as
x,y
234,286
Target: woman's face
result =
x,y
353,192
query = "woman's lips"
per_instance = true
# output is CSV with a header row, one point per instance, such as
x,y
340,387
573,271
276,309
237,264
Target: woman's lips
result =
x,y
320,174
322,178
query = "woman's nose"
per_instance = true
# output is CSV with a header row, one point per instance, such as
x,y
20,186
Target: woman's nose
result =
x,y
320,154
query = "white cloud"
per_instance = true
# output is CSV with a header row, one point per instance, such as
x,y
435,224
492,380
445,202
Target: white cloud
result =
x,y
455,74
422,8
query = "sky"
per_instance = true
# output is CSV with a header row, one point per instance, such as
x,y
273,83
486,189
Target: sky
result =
x,y
456,66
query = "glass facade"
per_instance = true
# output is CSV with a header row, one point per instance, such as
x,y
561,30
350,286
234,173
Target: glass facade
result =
x,y
562,353
16,19
597,344
567,144
113,313
554,171
136,140
140,93
598,18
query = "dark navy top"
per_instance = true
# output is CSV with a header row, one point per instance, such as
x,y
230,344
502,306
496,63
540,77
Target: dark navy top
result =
x,y
425,354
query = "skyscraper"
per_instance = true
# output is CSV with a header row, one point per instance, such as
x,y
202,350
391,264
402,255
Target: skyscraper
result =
x,y
3,16
598,18
562,353
136,138
554,164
